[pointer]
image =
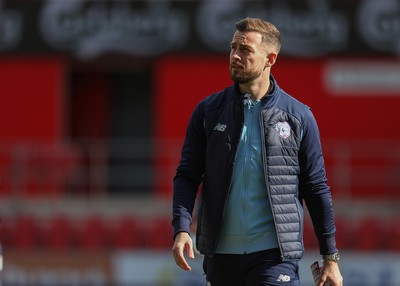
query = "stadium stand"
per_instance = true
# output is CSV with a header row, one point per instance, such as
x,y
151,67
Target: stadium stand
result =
x,y
392,234
126,232
61,235
367,234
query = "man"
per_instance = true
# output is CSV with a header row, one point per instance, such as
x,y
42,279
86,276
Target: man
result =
x,y
257,152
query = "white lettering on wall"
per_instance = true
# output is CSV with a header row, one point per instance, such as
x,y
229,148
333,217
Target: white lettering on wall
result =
x,y
90,29
362,78
311,32
379,24
10,28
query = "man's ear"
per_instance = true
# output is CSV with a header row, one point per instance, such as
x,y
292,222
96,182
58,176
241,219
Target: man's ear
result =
x,y
271,59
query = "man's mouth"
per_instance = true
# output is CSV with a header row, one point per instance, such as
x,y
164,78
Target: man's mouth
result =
x,y
237,66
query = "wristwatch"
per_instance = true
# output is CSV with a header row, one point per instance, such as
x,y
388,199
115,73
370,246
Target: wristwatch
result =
x,y
331,257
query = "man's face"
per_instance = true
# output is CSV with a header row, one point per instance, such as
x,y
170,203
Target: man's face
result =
x,y
248,57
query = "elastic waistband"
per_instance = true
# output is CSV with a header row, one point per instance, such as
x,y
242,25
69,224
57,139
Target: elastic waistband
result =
x,y
272,254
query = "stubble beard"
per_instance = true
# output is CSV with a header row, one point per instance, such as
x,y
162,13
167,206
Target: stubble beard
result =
x,y
244,77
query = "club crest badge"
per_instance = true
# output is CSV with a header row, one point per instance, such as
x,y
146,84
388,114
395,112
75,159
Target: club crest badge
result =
x,y
283,129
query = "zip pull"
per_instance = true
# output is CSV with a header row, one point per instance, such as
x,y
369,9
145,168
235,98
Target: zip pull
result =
x,y
250,105
247,101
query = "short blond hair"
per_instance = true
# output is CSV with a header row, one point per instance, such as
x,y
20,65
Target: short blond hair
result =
x,y
270,34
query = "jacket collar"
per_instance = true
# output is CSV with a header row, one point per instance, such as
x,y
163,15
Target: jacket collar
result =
x,y
243,96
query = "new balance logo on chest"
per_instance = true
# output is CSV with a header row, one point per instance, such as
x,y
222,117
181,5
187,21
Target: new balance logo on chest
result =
x,y
220,127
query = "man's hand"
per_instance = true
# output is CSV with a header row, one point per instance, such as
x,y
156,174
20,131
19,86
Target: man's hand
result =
x,y
331,273
182,243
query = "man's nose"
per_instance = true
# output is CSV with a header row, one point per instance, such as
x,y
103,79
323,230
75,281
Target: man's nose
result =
x,y
235,55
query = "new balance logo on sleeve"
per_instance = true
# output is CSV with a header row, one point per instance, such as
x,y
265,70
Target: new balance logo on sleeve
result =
x,y
220,127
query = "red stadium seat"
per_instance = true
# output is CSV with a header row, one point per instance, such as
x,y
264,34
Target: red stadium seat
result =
x,y
160,236
27,233
126,234
94,236
368,235
6,232
61,235
392,234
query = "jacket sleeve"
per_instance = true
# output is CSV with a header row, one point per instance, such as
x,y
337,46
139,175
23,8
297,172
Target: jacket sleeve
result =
x,y
313,186
190,172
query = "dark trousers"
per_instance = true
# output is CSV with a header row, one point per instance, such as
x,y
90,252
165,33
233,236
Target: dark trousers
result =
x,y
254,269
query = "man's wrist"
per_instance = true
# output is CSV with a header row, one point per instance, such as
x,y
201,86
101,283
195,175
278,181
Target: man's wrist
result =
x,y
334,257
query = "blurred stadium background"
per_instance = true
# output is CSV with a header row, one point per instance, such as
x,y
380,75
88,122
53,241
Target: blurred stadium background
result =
x,y
94,102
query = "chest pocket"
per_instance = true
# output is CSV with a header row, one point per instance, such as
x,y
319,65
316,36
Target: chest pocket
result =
x,y
281,133
282,143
